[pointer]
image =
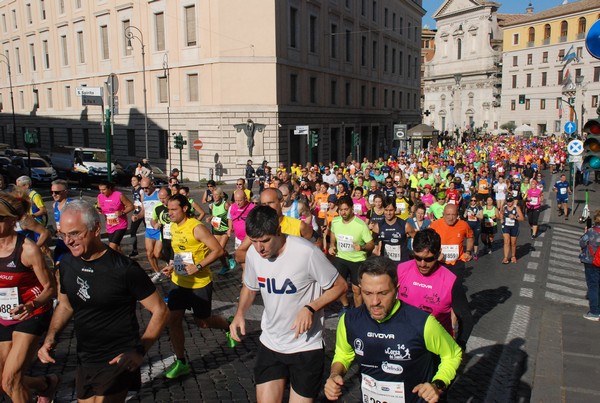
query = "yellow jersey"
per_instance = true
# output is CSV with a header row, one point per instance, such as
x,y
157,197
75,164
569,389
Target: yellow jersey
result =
x,y
188,250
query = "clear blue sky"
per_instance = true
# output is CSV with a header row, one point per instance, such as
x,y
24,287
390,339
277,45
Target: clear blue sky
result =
x,y
508,7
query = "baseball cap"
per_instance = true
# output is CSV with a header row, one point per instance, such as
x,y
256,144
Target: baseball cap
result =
x,y
331,198
510,198
428,186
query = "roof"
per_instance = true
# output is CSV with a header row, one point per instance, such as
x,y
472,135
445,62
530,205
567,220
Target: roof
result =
x,y
560,11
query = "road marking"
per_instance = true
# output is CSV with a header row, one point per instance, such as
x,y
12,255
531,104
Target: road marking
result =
x,y
565,272
538,244
526,292
563,298
529,278
561,257
568,231
564,289
532,265
567,252
536,253
575,283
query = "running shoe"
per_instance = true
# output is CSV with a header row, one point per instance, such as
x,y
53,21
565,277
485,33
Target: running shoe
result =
x,y
224,270
475,257
157,278
178,369
47,396
591,316
232,263
133,253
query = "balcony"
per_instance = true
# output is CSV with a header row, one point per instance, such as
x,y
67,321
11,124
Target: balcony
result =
x,y
562,39
530,44
546,41
581,35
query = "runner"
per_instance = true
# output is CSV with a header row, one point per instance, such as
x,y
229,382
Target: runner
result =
x,y
393,234
161,221
418,222
38,208
100,289
510,218
136,193
589,244
491,217
237,215
219,227
152,241
291,343
404,354
563,190
474,216
114,206
535,198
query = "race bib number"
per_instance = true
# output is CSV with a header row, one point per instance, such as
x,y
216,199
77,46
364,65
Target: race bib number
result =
x,y
112,219
371,198
450,252
451,201
534,201
402,207
167,231
396,179
509,222
215,222
471,216
393,252
237,243
180,260
357,209
9,299
345,243
324,207
374,391
563,191
515,193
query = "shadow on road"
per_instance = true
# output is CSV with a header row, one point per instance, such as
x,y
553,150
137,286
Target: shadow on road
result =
x,y
483,302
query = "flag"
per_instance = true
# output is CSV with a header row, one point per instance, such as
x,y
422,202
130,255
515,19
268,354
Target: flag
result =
x,y
569,57
567,76
560,112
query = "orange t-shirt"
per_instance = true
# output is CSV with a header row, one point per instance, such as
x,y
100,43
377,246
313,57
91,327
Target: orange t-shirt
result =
x,y
330,216
321,198
452,239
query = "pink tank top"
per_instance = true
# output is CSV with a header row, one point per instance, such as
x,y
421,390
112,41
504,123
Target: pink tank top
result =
x,y
238,219
109,207
431,293
533,198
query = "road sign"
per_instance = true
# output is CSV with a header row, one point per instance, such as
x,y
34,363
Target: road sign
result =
x,y
301,130
575,158
198,144
91,100
570,127
592,40
113,83
575,147
92,91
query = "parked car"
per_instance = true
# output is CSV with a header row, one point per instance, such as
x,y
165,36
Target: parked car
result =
x,y
4,164
41,171
82,163
158,175
17,152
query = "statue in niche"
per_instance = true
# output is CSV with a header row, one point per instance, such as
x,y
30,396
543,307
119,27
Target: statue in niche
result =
x,y
249,129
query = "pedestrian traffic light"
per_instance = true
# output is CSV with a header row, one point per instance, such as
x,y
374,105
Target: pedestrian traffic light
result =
x,y
522,99
355,139
314,138
179,142
591,146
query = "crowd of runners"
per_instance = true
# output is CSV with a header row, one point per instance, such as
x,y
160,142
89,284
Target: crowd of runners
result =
x,y
397,232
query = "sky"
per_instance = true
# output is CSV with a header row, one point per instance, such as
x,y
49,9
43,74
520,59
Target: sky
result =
x,y
508,7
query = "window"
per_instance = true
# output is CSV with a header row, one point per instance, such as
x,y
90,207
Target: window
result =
x,y
127,43
385,58
515,39
64,50
529,59
312,34
363,95
18,60
547,33
347,93
531,36
400,98
49,97
4,23
528,80
363,51
558,102
104,42
408,66
579,52
564,28
542,104
385,17
394,22
348,40
393,99
28,13
32,57
561,55
577,73
560,78
293,27
45,54
22,99
374,54
190,26
51,136
86,137
374,10
515,61
36,99
192,82
596,74
514,81
80,47
401,25
131,148
333,42
385,98
163,141
393,61
557,128
313,90
163,90
333,89
68,96
458,49
293,88
400,62
373,97
129,93
407,101
513,105
363,7
594,101
581,27
545,57
14,17
42,9
159,31
409,28
61,6
544,78
77,4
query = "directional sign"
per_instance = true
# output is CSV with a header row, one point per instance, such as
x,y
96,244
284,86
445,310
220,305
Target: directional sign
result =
x,y
570,127
301,130
198,144
93,91
91,100
592,40
575,147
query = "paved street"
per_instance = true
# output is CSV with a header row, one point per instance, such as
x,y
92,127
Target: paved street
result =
x,y
530,342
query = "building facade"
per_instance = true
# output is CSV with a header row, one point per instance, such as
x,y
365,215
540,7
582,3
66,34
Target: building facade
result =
x,y
239,75
535,74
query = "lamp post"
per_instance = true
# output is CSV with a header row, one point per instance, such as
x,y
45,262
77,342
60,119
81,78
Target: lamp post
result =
x,y
166,75
12,99
130,35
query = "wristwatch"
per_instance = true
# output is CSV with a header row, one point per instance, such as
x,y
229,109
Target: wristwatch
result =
x,y
439,385
199,266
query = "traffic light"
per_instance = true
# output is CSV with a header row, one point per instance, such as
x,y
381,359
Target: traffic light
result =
x,y
521,99
355,139
179,142
314,138
591,146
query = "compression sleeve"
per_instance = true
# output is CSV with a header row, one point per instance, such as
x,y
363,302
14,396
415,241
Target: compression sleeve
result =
x,y
460,306
344,353
439,342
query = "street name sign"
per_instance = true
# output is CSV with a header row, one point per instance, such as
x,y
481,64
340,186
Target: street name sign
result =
x,y
301,130
92,91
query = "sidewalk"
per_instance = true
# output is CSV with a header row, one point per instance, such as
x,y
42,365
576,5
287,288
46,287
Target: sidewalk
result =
x,y
567,368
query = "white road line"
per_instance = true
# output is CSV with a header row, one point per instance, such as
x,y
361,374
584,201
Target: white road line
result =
x,y
532,265
558,256
565,299
536,253
565,272
568,231
564,289
529,278
526,292
575,283
565,251
561,244
538,244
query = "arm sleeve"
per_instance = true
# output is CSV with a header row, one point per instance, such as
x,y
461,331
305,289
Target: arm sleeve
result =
x,y
139,284
249,278
344,353
439,342
322,270
460,306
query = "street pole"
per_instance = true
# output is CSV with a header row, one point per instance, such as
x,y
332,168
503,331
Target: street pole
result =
x,y
166,74
12,99
129,35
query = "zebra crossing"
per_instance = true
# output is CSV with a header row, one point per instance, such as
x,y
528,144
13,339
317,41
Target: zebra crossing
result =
x,y
566,278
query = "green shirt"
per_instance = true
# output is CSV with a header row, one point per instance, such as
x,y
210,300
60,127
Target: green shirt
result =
x,y
348,234
437,210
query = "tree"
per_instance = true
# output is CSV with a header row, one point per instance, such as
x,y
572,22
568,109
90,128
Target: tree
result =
x,y
510,126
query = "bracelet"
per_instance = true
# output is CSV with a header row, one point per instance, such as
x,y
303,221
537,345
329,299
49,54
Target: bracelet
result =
x,y
310,308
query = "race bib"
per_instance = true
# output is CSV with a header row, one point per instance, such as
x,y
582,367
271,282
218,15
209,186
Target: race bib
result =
x,y
112,219
167,231
534,201
509,222
563,191
471,216
402,207
237,243
180,260
371,198
450,252
393,252
9,299
345,243
396,179
324,207
515,193
357,209
374,391
215,222
451,201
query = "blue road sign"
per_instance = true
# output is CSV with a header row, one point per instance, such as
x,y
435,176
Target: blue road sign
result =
x,y
575,147
592,40
570,127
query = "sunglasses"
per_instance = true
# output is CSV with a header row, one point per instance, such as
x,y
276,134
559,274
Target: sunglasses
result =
x,y
4,218
426,259
145,188
57,192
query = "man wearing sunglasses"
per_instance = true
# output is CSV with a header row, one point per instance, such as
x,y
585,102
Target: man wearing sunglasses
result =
x,y
425,283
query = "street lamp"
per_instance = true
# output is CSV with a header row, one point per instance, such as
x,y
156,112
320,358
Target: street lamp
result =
x,y
166,75
12,99
130,35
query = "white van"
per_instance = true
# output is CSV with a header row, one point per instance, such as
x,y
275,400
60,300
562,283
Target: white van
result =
x,y
81,161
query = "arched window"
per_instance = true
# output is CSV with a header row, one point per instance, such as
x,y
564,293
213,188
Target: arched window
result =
x,y
531,34
582,25
564,28
547,31
458,49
